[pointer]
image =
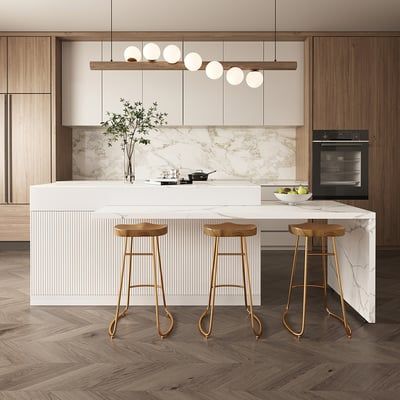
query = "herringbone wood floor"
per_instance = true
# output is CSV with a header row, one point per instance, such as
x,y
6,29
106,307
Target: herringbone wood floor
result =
x,y
64,353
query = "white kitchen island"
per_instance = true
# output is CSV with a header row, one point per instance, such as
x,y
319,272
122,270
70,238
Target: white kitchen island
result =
x,y
75,258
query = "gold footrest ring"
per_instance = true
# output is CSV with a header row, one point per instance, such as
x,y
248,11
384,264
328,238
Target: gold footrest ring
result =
x,y
257,332
346,327
171,325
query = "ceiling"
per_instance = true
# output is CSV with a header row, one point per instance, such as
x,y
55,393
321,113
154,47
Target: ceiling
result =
x,y
194,15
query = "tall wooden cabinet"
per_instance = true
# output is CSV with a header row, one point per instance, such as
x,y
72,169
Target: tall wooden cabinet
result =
x,y
356,85
25,128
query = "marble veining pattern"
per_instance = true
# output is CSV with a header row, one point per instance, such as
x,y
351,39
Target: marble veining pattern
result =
x,y
236,153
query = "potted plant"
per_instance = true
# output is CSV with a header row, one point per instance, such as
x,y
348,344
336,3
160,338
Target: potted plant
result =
x,y
132,126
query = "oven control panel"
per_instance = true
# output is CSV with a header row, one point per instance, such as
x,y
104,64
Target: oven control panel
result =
x,y
337,135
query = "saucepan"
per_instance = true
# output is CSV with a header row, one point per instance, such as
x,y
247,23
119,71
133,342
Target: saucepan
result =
x,y
200,175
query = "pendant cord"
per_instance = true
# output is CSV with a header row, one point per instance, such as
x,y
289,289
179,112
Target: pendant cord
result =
x,y
275,33
111,30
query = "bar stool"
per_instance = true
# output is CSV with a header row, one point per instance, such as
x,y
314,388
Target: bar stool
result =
x,y
226,230
131,231
323,231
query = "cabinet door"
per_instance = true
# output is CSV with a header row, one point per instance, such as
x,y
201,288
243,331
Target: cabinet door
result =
x,y
164,87
3,65
120,84
3,133
344,73
30,143
29,65
203,97
284,90
81,94
242,104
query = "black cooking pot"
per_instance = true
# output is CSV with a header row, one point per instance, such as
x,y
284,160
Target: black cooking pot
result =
x,y
199,175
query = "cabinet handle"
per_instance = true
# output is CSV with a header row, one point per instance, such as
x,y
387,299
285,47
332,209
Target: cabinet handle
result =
x,y
9,149
5,142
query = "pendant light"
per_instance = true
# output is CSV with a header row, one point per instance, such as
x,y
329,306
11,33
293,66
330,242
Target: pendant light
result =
x,y
172,54
214,70
234,76
151,52
193,61
254,79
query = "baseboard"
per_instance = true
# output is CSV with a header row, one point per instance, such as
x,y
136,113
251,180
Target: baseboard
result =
x,y
138,300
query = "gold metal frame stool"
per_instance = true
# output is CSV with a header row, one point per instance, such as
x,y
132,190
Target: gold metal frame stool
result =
x,y
230,230
324,231
129,232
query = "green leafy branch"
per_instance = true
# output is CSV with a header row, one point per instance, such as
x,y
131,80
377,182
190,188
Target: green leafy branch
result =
x,y
133,125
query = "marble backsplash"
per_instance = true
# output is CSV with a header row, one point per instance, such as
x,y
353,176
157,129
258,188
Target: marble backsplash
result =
x,y
236,153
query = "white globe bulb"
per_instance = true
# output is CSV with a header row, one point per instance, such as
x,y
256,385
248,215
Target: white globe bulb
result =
x,y
214,70
193,61
254,79
132,53
151,51
172,54
234,76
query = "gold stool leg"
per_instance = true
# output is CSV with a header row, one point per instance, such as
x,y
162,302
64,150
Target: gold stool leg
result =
x,y
303,319
169,315
247,282
112,329
129,279
343,319
211,295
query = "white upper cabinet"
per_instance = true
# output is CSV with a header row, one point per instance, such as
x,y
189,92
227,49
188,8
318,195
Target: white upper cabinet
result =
x,y
284,90
242,104
203,97
165,87
81,87
120,84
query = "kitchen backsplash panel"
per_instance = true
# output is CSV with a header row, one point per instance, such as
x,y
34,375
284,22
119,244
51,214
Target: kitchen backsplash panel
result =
x,y
236,153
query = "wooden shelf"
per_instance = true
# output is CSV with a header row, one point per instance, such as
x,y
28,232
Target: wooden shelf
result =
x,y
164,66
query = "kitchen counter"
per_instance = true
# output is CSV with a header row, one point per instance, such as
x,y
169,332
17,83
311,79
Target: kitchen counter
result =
x,y
75,258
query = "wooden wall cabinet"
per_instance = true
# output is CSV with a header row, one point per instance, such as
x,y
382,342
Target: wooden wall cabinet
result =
x,y
29,65
203,97
30,143
3,65
27,118
356,86
243,105
120,84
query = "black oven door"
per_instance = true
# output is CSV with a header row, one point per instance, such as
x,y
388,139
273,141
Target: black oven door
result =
x,y
340,170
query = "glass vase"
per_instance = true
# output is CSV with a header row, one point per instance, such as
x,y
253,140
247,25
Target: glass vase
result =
x,y
129,167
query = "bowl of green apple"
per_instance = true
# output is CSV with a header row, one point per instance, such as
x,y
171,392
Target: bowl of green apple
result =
x,y
293,196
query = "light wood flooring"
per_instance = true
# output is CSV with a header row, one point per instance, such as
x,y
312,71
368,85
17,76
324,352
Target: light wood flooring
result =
x,y
64,353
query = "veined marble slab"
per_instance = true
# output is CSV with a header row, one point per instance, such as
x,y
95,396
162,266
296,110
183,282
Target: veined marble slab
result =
x,y
323,209
235,152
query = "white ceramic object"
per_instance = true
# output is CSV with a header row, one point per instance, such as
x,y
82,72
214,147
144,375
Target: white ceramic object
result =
x,y
293,199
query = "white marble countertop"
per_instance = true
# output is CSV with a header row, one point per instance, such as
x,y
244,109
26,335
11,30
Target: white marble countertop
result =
x,y
321,209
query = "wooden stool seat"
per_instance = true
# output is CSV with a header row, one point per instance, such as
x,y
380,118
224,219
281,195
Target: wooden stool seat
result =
x,y
311,229
145,229
229,229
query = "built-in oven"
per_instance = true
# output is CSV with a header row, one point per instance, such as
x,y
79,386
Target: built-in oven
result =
x,y
340,164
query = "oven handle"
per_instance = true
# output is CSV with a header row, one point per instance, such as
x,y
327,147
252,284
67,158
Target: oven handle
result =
x,y
334,143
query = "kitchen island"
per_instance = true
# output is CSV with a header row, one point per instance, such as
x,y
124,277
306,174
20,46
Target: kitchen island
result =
x,y
75,258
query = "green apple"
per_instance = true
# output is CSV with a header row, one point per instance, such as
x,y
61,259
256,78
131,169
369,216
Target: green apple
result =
x,y
292,192
280,191
302,190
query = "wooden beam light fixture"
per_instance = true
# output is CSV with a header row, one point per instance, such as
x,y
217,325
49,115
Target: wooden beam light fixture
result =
x,y
151,52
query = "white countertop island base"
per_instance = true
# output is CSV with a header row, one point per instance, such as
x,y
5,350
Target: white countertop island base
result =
x,y
75,258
